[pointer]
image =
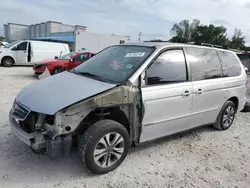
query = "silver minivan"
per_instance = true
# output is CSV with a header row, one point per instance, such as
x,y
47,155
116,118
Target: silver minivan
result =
x,y
128,94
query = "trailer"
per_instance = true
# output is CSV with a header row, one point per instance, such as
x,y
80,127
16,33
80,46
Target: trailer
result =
x,y
81,40
95,42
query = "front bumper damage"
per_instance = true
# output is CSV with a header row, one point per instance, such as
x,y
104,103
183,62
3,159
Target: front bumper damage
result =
x,y
21,134
41,141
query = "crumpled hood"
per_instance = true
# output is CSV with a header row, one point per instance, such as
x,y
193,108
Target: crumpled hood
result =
x,y
54,93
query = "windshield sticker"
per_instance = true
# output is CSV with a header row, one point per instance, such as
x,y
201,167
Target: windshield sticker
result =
x,y
138,54
129,66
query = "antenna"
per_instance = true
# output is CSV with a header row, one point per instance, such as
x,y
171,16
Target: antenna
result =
x,y
139,38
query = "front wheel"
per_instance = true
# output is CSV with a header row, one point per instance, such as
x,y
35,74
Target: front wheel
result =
x,y
226,116
57,70
7,61
104,146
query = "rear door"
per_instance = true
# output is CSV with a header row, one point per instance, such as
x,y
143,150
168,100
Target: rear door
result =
x,y
167,96
208,84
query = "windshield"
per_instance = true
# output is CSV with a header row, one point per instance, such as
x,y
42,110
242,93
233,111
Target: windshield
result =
x,y
12,44
67,56
115,64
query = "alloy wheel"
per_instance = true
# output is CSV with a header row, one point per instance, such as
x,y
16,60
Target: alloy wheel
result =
x,y
109,149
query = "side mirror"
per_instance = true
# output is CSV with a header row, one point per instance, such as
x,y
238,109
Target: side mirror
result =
x,y
56,57
71,60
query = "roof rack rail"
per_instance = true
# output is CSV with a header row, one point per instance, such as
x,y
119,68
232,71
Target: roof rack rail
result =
x,y
156,41
215,46
207,44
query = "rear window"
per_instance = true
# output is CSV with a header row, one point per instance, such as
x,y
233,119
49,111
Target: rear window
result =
x,y
230,64
244,58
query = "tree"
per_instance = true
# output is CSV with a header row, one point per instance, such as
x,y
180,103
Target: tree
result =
x,y
1,38
210,34
238,40
183,30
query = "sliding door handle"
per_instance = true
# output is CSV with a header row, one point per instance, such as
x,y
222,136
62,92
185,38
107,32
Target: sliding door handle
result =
x,y
186,93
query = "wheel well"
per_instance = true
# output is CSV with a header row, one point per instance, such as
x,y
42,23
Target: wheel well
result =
x,y
7,57
235,100
112,113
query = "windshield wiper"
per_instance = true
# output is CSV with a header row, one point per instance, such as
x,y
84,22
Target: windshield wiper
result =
x,y
89,75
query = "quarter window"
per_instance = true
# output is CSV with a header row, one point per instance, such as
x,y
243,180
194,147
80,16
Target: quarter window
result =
x,y
230,64
205,63
169,67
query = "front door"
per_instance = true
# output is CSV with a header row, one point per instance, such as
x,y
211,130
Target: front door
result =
x,y
209,92
21,53
166,96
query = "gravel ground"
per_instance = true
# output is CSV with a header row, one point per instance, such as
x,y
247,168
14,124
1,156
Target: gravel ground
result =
x,y
201,158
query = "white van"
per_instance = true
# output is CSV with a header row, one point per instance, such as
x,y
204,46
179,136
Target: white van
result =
x,y
27,52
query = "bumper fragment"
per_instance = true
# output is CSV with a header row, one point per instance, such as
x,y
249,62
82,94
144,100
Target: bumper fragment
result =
x,y
19,132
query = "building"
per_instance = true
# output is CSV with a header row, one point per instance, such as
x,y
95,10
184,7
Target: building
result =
x,y
75,35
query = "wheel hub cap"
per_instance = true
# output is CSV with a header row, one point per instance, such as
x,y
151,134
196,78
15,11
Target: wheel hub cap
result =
x,y
109,149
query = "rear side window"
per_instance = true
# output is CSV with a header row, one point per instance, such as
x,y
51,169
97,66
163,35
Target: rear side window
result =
x,y
230,64
205,63
169,67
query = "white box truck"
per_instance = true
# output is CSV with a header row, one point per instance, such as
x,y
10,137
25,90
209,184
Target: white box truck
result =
x,y
27,52
95,42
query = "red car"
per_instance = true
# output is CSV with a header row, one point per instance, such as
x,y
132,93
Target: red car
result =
x,y
66,62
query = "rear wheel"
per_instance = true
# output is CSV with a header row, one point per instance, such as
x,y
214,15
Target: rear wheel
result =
x,y
226,116
7,61
104,146
57,70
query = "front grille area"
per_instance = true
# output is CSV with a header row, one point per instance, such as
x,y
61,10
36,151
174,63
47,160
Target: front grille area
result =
x,y
19,111
28,125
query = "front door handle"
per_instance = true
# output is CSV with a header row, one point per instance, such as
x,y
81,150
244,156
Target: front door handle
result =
x,y
186,93
199,91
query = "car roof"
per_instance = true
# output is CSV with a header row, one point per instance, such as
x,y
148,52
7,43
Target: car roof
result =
x,y
173,44
153,44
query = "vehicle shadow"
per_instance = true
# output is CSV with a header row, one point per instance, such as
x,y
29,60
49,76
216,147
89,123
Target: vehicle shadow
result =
x,y
22,165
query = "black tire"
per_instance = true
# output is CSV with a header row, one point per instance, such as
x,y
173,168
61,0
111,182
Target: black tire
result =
x,y
7,62
90,140
38,151
57,70
222,125
246,107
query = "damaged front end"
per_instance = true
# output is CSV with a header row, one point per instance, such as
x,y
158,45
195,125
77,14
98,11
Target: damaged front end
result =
x,y
41,132
54,133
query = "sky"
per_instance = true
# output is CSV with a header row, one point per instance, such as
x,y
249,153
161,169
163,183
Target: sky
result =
x,y
153,18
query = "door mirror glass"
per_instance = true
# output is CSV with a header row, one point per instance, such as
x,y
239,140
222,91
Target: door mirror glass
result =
x,y
56,57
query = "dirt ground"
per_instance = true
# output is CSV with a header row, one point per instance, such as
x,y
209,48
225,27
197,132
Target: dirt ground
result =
x,y
201,158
